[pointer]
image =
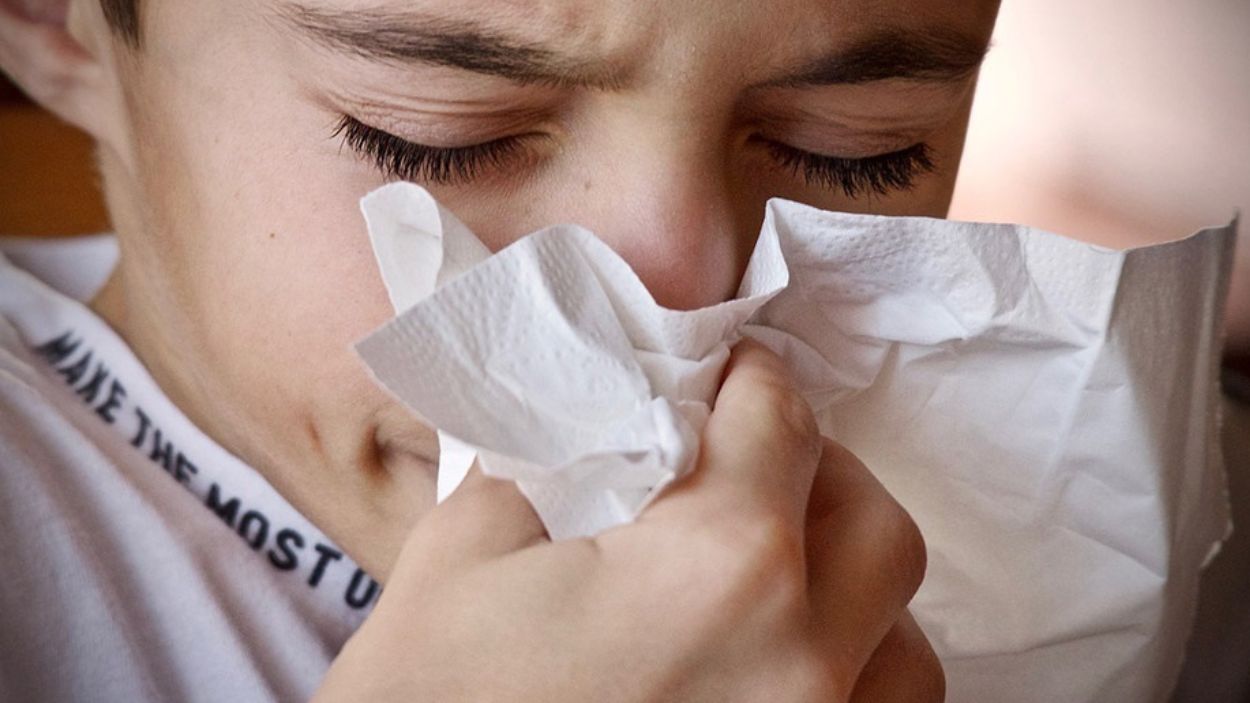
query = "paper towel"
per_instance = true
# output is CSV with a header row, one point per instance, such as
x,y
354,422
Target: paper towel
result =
x,y
1044,408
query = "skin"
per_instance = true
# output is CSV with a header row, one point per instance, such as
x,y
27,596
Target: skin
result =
x,y
246,275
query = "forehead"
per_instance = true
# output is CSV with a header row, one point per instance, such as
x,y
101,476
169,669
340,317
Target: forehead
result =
x,y
570,15
636,30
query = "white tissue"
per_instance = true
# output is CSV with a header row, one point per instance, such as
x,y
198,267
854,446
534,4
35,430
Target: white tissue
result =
x,y
1045,409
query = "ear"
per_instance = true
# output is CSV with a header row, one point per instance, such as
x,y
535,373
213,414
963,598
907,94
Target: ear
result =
x,y
60,52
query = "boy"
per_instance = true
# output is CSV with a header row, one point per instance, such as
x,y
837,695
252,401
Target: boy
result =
x,y
235,140
228,136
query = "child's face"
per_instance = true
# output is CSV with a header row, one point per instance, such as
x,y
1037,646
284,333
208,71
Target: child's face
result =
x,y
662,126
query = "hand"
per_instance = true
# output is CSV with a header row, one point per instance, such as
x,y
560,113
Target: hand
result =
x,y
779,571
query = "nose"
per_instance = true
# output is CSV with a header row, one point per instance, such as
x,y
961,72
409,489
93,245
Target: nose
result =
x,y
680,220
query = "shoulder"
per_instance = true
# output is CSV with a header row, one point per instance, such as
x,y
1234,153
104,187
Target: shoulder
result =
x,y
47,435
41,433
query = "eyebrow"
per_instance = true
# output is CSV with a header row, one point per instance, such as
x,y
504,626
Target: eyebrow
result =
x,y
926,55
408,36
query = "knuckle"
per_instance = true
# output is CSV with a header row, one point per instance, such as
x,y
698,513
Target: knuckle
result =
x,y
904,664
924,671
904,544
759,563
932,686
791,421
816,679
772,545
838,456
812,684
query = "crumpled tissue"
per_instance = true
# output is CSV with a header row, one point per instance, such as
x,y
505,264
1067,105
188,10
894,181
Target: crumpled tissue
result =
x,y
1045,409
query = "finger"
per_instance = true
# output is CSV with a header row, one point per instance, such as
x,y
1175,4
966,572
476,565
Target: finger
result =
x,y
865,556
904,669
760,446
483,519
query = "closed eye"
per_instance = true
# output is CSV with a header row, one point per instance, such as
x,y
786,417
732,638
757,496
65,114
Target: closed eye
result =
x,y
397,157
854,177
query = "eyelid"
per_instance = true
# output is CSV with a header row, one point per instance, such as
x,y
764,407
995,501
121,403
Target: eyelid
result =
x,y
349,124
849,143
861,155
442,123
879,174
858,113
400,158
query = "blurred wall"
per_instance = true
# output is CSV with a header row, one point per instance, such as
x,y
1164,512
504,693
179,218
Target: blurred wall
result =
x,y
47,178
1117,121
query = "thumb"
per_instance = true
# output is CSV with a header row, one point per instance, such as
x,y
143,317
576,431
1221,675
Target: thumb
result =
x,y
483,519
760,447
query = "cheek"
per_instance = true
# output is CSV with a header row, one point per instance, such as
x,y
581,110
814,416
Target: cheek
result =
x,y
265,251
292,282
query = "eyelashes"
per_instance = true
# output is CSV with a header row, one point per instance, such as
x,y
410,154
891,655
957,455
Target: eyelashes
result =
x,y
399,158
879,175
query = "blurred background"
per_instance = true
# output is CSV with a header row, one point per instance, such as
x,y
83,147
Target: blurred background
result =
x,y
47,180
1121,122
1127,122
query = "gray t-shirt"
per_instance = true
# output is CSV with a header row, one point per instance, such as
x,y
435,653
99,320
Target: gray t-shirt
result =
x,y
140,560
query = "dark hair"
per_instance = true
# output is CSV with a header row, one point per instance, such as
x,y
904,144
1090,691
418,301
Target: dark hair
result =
x,y
123,17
